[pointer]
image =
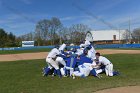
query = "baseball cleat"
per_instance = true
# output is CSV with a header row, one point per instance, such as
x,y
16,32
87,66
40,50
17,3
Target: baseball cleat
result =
x,y
98,76
64,76
43,74
83,76
73,76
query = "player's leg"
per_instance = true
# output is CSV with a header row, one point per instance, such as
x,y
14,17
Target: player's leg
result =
x,y
98,71
82,71
47,69
55,65
110,70
62,71
107,70
71,71
77,73
61,61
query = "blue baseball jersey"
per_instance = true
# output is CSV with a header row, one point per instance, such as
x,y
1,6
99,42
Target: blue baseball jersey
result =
x,y
71,61
83,59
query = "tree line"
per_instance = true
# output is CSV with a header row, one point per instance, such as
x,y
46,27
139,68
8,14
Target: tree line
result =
x,y
52,32
8,39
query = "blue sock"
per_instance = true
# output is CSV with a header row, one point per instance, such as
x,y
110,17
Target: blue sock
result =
x,y
115,73
68,72
46,71
83,76
65,71
59,73
55,72
93,72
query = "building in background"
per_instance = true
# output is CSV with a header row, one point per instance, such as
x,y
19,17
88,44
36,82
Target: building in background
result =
x,y
108,36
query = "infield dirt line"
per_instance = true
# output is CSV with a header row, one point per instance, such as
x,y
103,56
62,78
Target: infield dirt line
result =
x,y
42,55
128,89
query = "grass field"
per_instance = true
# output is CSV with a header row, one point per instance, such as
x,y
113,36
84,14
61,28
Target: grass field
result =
x,y
24,51
25,77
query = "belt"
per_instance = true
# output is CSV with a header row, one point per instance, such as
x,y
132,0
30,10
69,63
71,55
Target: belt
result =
x,y
49,57
52,58
109,63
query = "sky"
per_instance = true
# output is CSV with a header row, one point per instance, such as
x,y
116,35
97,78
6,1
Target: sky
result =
x,y
21,16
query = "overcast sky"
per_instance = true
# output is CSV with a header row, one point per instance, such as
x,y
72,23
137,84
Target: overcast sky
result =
x,y
21,16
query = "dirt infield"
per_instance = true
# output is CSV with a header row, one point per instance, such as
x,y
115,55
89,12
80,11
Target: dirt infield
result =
x,y
42,55
23,56
128,89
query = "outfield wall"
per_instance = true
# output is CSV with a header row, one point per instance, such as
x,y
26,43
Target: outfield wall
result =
x,y
26,48
118,46
96,46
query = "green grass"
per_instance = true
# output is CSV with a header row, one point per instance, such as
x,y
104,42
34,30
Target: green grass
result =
x,y
24,51
25,77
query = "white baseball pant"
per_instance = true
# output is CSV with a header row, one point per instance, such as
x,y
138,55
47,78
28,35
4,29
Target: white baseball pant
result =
x,y
61,61
109,69
52,63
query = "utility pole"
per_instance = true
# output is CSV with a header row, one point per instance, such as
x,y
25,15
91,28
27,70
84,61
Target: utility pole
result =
x,y
129,31
60,41
119,36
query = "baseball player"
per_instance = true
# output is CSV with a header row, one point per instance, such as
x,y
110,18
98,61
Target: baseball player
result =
x,y
86,43
91,52
70,64
84,71
86,67
62,47
108,65
50,59
60,59
81,50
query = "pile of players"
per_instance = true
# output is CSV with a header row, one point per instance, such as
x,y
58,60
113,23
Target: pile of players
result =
x,y
77,62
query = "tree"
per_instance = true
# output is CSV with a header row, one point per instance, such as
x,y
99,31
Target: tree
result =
x,y
48,29
64,34
42,28
7,39
41,31
136,35
77,32
3,38
55,29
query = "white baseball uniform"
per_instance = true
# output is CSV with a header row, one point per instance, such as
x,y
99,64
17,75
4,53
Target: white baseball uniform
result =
x,y
62,47
108,65
50,58
82,45
83,70
87,43
60,59
80,51
91,53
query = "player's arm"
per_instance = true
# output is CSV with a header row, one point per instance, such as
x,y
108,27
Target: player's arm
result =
x,y
97,64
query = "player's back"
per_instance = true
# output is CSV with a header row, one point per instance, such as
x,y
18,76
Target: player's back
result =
x,y
84,59
104,60
53,53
